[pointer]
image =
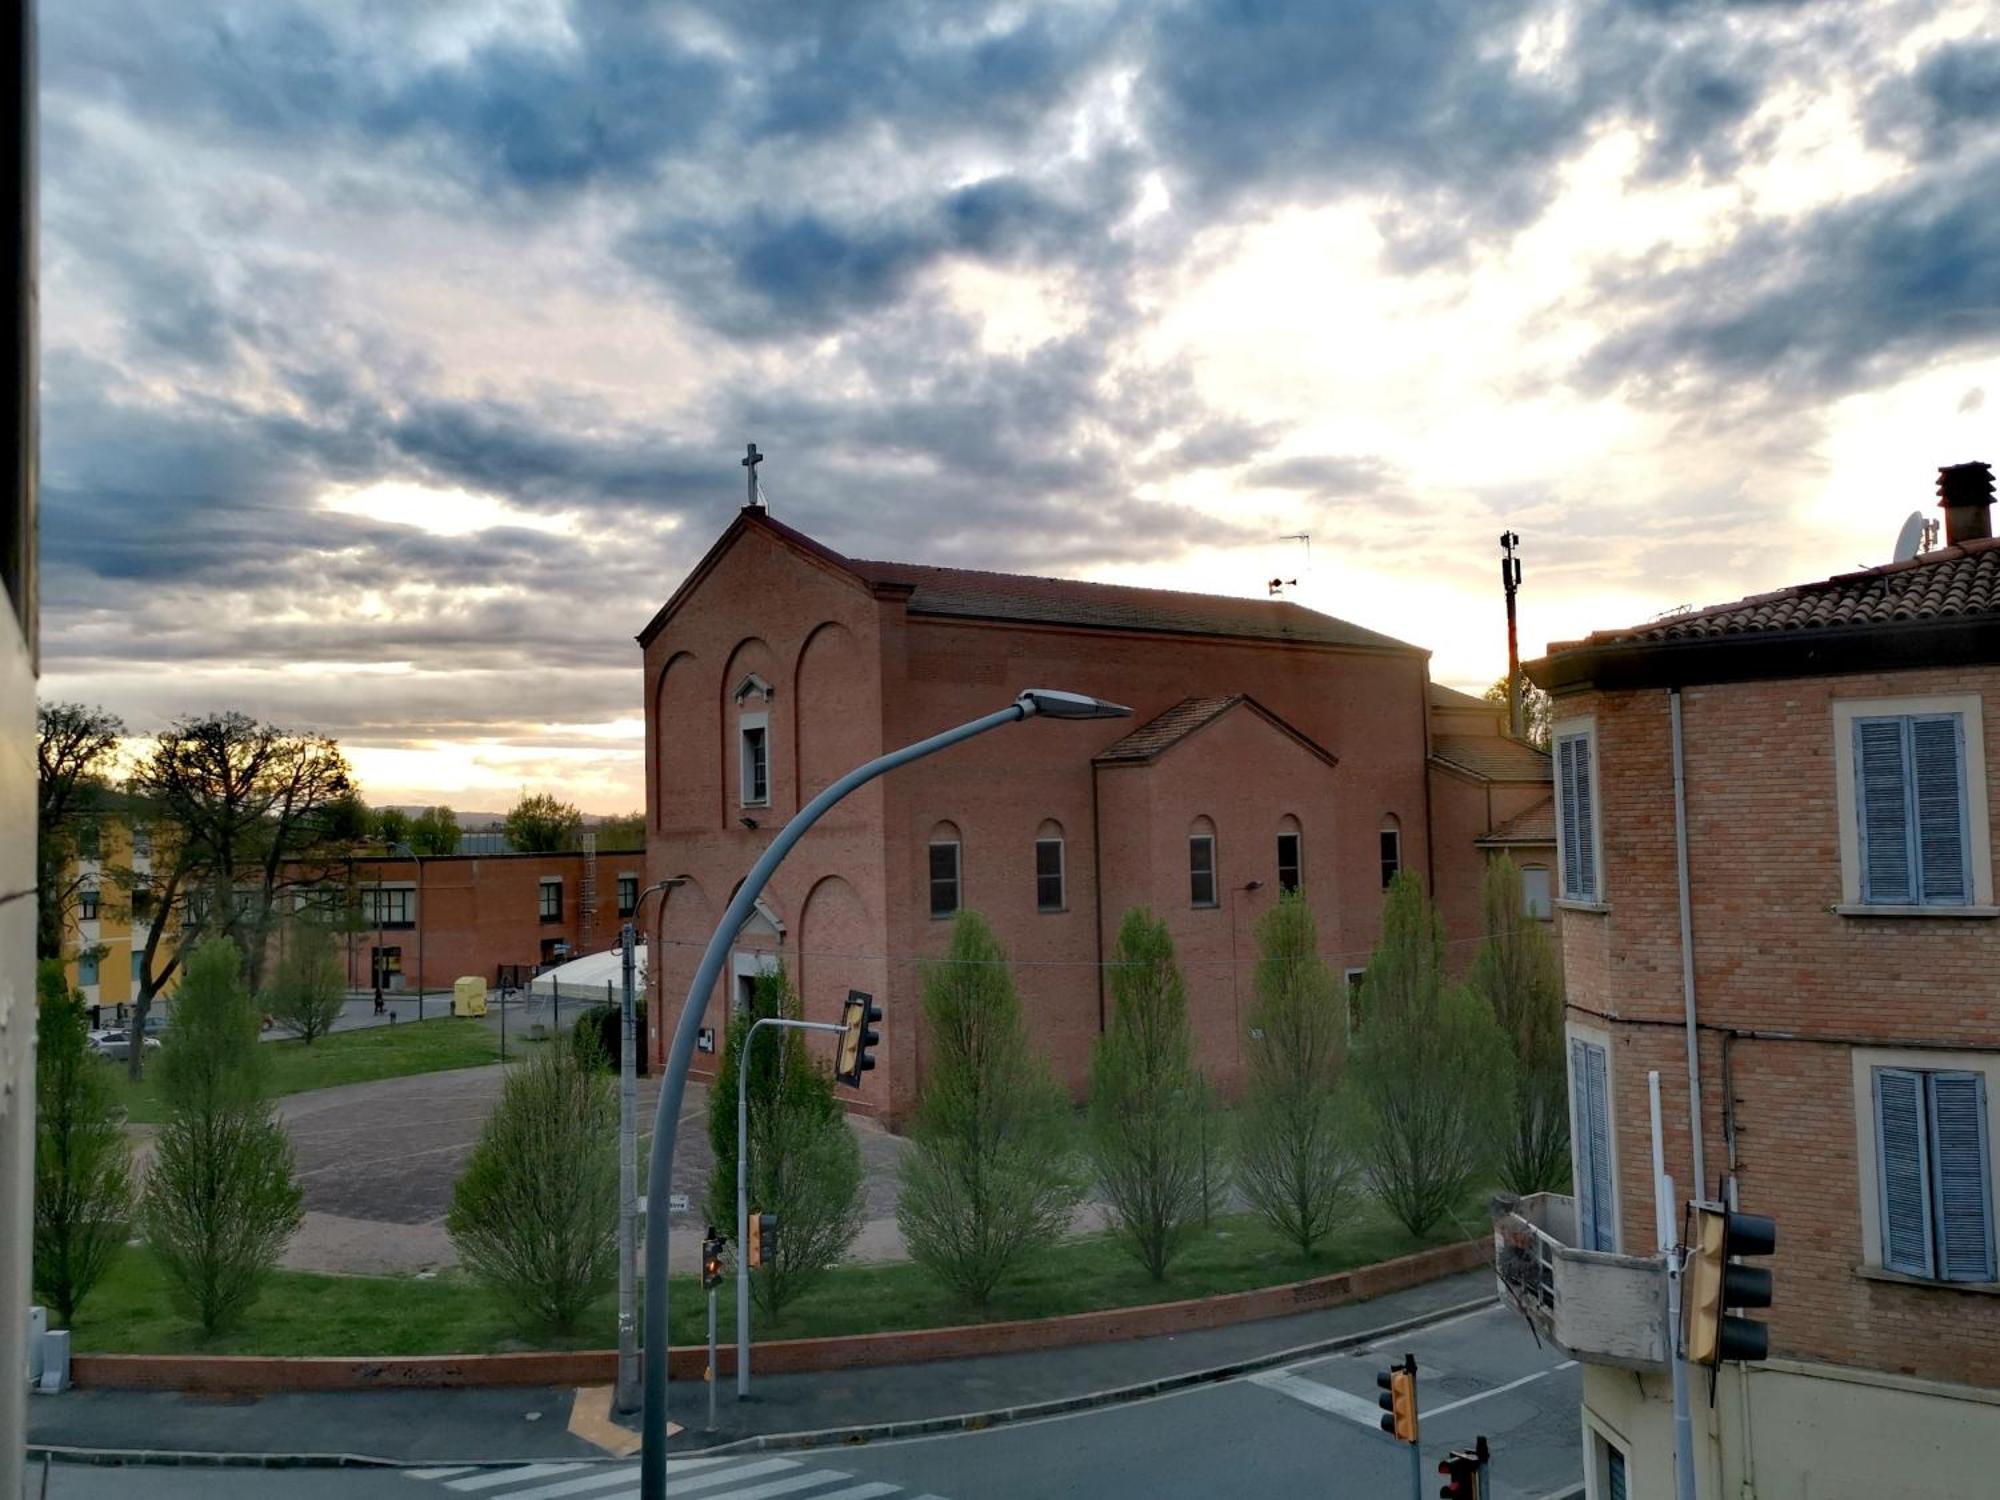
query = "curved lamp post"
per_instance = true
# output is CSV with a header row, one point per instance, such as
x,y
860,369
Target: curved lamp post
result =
x,y
659,1172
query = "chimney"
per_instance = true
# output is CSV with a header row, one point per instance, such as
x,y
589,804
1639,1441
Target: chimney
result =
x,y
1965,495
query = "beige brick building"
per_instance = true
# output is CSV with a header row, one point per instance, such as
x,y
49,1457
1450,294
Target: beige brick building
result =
x,y
1839,745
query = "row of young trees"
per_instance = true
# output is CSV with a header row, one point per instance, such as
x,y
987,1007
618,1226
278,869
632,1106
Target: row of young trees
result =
x,y
219,1199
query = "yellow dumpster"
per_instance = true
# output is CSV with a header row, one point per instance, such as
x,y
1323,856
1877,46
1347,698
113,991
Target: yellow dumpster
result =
x,y
468,996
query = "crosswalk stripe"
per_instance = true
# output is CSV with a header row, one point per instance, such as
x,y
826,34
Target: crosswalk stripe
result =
x,y
684,1465
1325,1397
870,1491
440,1473
603,1480
1498,1390
785,1486
728,1476
510,1476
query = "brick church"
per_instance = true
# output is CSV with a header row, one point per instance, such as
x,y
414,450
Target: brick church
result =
x,y
1270,747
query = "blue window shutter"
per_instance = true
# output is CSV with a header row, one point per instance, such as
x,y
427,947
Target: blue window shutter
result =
x,y
1882,808
1937,757
1605,1233
1962,1175
1586,820
1579,1132
1902,1158
1572,873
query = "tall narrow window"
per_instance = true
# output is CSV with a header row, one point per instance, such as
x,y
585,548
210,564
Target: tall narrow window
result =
x,y
1391,841
89,904
1535,891
1910,804
86,967
1933,1156
944,870
756,763
1201,864
552,900
1590,1130
628,894
1049,892
1576,813
1290,854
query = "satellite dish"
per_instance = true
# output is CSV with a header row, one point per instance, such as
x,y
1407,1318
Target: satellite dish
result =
x,y
1910,540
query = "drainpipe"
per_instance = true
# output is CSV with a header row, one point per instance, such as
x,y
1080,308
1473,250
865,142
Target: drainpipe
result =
x,y
1687,944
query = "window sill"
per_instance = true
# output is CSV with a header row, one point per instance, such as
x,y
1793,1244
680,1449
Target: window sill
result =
x,y
1897,1278
755,806
943,916
1973,913
551,921
1204,906
1051,911
395,927
1566,904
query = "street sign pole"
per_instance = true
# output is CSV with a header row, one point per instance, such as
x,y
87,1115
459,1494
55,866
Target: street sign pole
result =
x,y
714,1375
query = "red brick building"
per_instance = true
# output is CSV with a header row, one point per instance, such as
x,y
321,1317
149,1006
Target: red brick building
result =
x,y
478,914
1270,745
1839,747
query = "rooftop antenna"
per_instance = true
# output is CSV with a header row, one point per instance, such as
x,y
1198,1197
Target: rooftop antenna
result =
x,y
1915,536
1279,585
1510,580
751,459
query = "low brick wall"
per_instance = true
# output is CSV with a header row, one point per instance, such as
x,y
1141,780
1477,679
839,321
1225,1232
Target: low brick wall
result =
x,y
249,1374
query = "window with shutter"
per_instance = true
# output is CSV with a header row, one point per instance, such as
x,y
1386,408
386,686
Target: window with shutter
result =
x,y
1962,1176
1910,810
1590,1106
1899,1142
1576,823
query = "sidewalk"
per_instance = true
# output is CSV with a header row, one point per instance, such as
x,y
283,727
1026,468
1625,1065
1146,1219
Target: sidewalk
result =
x,y
500,1425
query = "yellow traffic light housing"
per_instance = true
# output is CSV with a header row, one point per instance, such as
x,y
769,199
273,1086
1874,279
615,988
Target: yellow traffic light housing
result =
x,y
857,1038
1399,1399
753,1247
1711,1285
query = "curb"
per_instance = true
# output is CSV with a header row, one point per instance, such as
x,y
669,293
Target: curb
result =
x,y
778,1441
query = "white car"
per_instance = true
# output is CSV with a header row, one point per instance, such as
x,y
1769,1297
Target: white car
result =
x,y
117,1043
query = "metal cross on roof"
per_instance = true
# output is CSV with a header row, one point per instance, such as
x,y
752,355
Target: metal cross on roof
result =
x,y
751,459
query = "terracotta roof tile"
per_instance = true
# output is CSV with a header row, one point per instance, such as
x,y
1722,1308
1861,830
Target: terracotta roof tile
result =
x,y
1492,756
1169,729
1954,582
1535,825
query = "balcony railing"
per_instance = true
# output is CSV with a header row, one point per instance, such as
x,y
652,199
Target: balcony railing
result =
x,y
1602,1308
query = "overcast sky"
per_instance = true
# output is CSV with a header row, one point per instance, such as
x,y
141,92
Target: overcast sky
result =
x,y
398,357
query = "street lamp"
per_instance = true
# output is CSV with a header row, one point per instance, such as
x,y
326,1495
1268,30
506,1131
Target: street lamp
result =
x,y
659,1175
420,920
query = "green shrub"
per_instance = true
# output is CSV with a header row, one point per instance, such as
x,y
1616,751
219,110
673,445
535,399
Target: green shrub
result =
x,y
599,1036
83,1163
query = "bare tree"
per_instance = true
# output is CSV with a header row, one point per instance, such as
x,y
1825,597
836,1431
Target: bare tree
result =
x,y
74,746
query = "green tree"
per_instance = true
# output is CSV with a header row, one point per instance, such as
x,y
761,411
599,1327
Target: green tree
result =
x,y
309,989
1517,974
542,823
74,746
1535,710
1147,1105
83,1163
1295,1157
220,1199
992,1170
1432,1069
390,826
623,831
535,1214
805,1165
434,832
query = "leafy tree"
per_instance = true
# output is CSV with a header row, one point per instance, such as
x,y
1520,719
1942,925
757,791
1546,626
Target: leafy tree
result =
x,y
625,831
74,746
1295,1157
309,990
220,1199
535,1215
434,832
992,1171
233,803
391,826
542,823
805,1165
1147,1104
1535,711
1432,1068
1516,973
83,1163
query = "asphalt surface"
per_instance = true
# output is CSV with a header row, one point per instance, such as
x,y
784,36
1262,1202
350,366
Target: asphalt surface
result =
x,y
1305,1429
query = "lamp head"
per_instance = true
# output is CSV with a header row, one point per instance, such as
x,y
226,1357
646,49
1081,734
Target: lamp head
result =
x,y
1053,704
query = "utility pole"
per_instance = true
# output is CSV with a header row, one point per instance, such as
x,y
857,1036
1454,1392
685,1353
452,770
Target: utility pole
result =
x,y
1510,580
626,1396
1664,1227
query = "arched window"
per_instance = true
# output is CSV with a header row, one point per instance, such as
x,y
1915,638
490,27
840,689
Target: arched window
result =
x,y
1202,886
944,869
753,731
1392,848
1291,853
1050,891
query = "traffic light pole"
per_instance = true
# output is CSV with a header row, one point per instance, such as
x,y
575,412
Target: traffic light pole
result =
x,y
1666,1227
784,1023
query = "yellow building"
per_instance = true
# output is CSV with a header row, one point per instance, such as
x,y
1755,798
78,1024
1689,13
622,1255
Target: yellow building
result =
x,y
103,940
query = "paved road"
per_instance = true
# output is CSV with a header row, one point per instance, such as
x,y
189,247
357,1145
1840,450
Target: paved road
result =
x,y
1304,1431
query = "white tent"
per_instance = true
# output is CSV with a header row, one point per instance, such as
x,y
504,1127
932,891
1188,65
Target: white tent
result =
x,y
585,978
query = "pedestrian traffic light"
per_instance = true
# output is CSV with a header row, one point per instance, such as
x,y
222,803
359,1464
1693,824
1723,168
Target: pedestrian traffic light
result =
x,y
1464,1470
763,1244
1399,1398
711,1260
857,1037
1712,1284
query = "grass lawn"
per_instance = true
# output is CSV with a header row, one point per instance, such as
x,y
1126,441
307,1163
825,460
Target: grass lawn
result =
x,y
345,1057
300,1313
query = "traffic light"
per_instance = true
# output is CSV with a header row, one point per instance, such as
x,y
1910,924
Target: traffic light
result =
x,y
711,1260
1399,1398
763,1244
857,1037
1712,1284
1464,1470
